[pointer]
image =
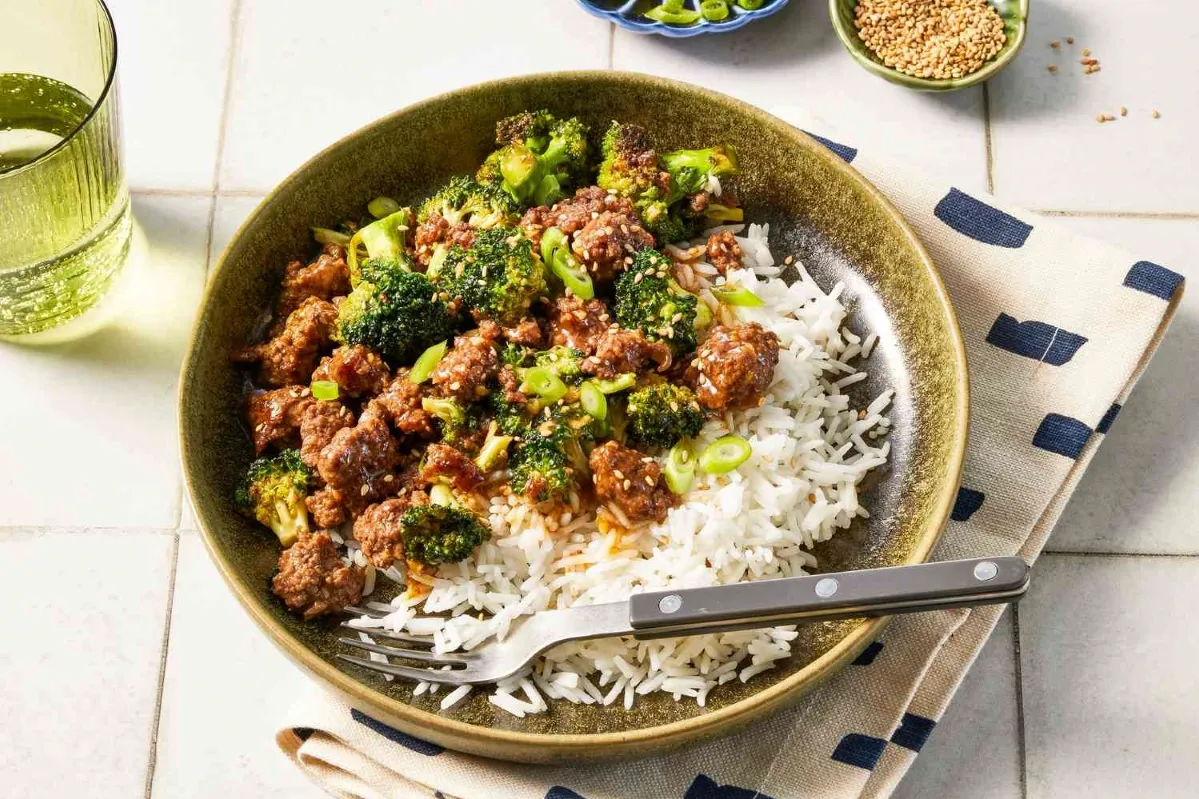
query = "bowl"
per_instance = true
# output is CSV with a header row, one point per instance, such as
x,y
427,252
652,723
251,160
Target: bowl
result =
x,y
1015,25
819,209
629,14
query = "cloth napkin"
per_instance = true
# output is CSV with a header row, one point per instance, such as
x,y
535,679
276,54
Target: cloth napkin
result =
x,y
1058,329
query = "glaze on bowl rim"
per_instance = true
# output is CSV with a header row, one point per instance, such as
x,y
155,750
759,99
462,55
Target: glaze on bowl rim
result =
x,y
504,742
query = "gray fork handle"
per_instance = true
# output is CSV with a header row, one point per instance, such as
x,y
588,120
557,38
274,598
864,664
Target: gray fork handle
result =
x,y
824,597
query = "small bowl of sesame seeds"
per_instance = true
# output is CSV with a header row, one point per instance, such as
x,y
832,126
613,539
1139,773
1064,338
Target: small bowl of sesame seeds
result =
x,y
931,45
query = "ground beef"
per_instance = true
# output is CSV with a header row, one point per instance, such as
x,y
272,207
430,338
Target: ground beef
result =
x,y
358,463
325,278
379,532
313,580
632,481
619,351
437,230
319,423
356,370
510,385
606,244
698,202
290,357
734,366
400,405
326,508
578,324
570,216
724,252
445,462
465,369
526,332
275,416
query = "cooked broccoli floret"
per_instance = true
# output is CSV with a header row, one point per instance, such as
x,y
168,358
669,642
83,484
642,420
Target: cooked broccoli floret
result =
x,y
648,301
564,362
540,158
385,240
511,418
477,204
498,276
663,413
494,448
436,534
660,185
394,311
273,493
538,468
457,420
515,355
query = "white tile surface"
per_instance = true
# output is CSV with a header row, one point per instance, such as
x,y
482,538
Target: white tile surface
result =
x,y
172,67
231,211
1111,695
982,718
1049,150
225,688
105,405
78,708
796,60
307,73
1139,492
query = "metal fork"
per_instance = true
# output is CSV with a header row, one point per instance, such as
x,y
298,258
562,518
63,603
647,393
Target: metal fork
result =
x,y
696,611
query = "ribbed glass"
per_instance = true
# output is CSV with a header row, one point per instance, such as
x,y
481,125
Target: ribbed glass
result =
x,y
64,206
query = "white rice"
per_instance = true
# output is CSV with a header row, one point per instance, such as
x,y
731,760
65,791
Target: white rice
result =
x,y
799,487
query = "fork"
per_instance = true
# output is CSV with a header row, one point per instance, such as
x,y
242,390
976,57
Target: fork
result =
x,y
696,611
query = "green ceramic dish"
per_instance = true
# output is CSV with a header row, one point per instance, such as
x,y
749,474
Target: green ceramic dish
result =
x,y
820,210
1015,24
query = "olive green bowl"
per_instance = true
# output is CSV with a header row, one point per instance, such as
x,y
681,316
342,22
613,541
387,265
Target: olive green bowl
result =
x,y
820,210
1015,25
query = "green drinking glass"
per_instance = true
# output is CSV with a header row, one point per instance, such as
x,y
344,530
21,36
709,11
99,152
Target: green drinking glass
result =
x,y
64,206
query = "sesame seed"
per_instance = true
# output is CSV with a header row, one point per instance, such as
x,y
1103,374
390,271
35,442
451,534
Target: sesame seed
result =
x,y
365,489
1123,111
1156,114
619,474
1053,67
1069,40
455,386
261,426
1055,43
638,278
305,392
790,259
627,484
939,40
674,406
1086,51
628,260
649,481
388,478
595,215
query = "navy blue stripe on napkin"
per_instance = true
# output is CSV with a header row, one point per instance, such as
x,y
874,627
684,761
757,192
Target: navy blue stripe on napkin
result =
x,y
859,750
913,731
846,152
966,504
868,654
1036,340
981,222
704,787
395,736
558,792
1061,435
1105,423
1152,279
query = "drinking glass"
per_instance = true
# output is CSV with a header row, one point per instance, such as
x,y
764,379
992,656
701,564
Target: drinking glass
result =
x,y
64,206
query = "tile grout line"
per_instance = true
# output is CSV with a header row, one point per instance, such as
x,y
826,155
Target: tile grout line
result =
x,y
1021,739
226,99
152,761
611,45
990,150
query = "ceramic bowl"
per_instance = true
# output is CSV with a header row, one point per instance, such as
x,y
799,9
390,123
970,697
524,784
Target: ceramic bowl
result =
x,y
1015,24
820,210
630,15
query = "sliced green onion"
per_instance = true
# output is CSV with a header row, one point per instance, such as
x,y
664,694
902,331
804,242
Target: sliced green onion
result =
x,y
495,446
551,240
591,397
324,235
738,295
385,238
618,383
422,370
724,213
751,5
673,5
680,468
325,389
572,274
714,10
382,206
703,315
682,16
724,454
544,383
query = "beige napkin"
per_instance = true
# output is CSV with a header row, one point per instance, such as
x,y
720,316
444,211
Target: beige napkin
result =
x,y
1058,328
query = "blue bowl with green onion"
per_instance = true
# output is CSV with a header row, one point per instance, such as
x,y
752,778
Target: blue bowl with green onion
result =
x,y
678,19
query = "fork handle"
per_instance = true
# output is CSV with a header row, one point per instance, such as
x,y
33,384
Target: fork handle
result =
x,y
824,597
